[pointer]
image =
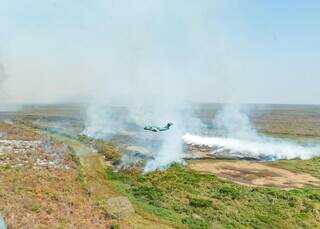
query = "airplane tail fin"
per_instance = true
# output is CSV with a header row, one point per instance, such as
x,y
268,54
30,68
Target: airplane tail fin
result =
x,y
169,125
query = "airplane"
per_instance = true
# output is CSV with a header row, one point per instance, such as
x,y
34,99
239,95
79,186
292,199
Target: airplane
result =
x,y
158,129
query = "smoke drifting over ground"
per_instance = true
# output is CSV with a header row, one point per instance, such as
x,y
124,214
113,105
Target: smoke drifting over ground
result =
x,y
260,149
165,148
237,138
231,136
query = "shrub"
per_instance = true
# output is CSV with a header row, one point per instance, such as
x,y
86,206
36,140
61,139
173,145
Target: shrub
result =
x,y
150,194
195,223
229,191
202,203
109,151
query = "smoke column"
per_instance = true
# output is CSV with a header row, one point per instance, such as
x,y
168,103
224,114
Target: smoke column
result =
x,y
171,149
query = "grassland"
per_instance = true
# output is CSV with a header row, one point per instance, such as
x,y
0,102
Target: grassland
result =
x,y
307,166
178,197
190,199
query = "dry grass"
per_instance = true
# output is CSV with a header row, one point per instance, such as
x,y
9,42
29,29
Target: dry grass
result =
x,y
44,197
47,199
297,121
10,131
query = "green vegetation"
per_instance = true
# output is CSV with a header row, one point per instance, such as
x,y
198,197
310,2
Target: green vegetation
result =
x,y
200,203
186,198
109,151
85,139
75,158
305,166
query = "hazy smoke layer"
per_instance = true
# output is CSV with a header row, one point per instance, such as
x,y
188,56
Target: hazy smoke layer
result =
x,y
232,121
237,138
152,57
103,121
2,75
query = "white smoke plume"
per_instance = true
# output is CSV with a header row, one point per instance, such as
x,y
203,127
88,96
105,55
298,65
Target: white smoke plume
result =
x,y
105,121
102,121
233,122
261,148
239,139
170,152
171,149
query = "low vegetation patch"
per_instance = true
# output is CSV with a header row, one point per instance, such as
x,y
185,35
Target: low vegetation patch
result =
x,y
188,198
201,203
109,150
306,166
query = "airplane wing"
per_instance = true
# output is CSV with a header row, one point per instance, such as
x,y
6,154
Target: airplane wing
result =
x,y
152,128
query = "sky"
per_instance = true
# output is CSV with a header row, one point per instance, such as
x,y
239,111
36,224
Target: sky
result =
x,y
55,51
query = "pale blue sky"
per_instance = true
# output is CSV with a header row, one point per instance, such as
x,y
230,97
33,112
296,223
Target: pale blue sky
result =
x,y
211,51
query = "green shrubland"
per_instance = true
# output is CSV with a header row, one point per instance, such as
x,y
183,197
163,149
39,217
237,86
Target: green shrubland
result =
x,y
187,198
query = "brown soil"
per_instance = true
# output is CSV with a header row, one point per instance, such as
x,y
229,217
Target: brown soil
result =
x,y
255,174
